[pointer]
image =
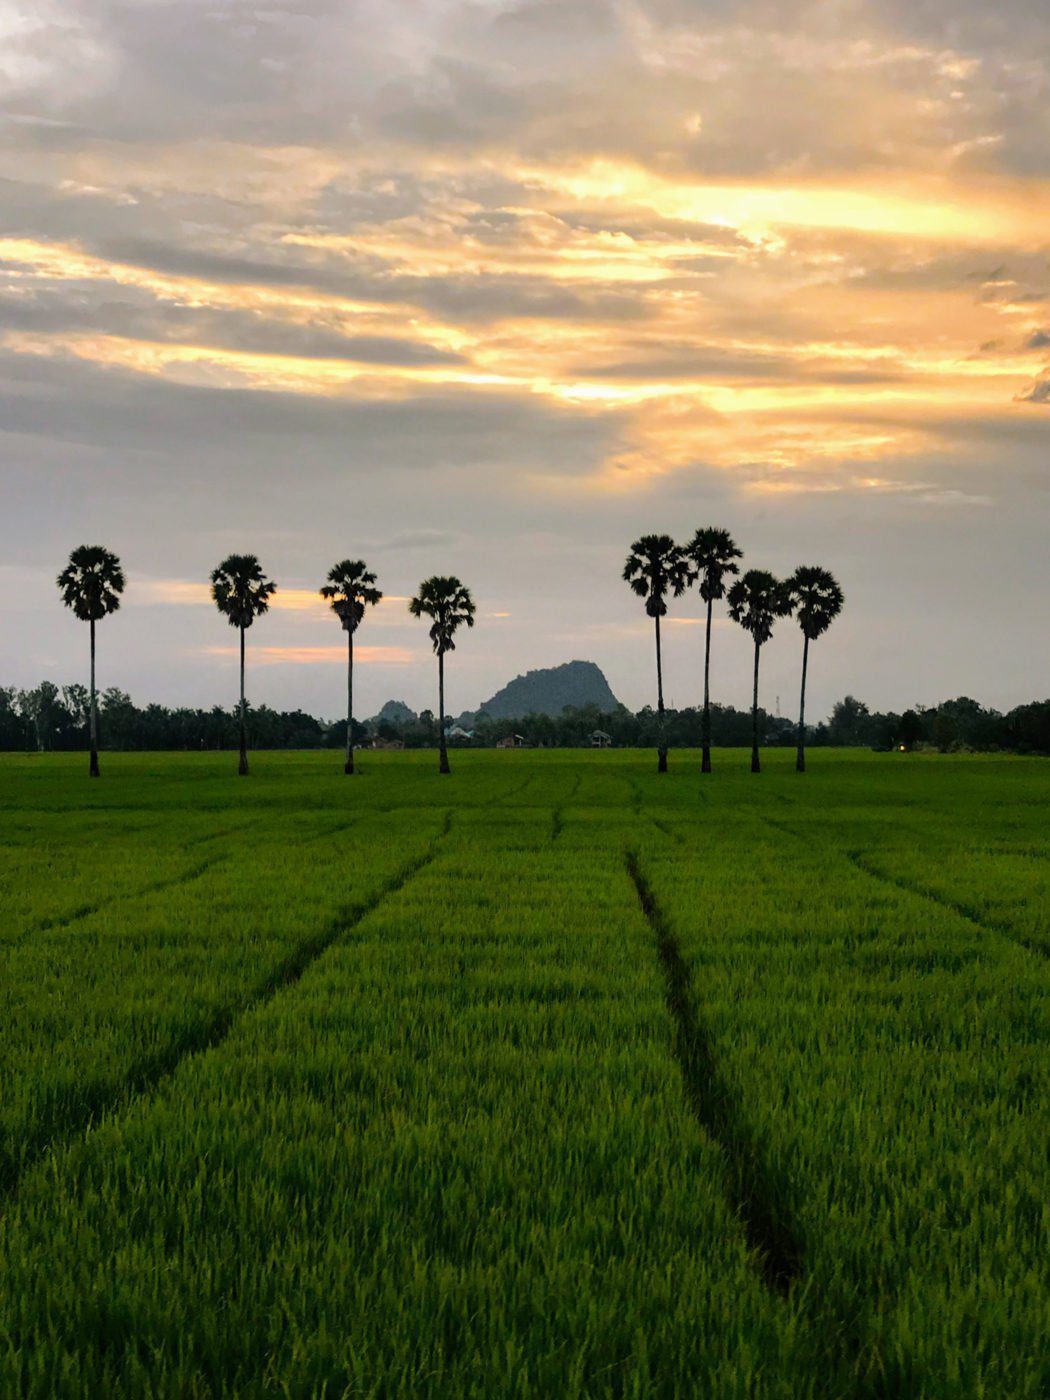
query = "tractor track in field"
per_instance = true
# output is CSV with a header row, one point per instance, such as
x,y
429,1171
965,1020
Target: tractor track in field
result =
x,y
772,1239
960,910
73,1113
558,814
222,831
666,830
84,911
956,907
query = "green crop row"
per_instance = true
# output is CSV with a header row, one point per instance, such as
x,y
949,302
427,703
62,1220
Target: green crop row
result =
x,y
557,1077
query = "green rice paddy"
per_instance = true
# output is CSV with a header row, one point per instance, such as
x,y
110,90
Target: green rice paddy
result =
x,y
555,1078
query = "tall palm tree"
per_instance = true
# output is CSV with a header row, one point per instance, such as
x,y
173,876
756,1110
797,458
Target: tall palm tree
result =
x,y
655,566
818,600
91,584
756,601
350,589
712,553
242,592
448,604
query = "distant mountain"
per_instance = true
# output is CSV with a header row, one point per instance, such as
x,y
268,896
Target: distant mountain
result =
x,y
547,692
394,712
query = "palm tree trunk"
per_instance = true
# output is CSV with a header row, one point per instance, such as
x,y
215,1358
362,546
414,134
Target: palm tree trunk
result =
x,y
242,767
442,747
93,723
661,762
800,757
349,765
756,766
705,731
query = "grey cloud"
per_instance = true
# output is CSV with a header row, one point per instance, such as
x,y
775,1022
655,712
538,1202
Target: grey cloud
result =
x,y
78,306
1039,392
1038,340
147,422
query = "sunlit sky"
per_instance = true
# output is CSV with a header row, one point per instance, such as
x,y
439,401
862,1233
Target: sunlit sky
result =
x,y
491,288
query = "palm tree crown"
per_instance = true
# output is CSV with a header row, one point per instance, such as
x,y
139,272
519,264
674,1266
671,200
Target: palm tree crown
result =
x,y
350,589
92,582
817,597
655,566
712,553
241,590
448,604
756,601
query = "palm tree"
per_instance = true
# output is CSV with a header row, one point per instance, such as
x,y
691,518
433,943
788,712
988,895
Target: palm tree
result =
x,y
654,566
350,589
818,600
91,584
242,592
712,553
756,601
448,604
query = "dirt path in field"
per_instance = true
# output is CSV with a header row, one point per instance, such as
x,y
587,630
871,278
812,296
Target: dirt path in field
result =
x,y
771,1237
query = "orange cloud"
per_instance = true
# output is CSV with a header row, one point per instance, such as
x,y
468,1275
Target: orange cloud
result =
x,y
319,656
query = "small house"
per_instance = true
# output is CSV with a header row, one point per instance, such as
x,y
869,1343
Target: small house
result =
x,y
601,740
512,741
378,743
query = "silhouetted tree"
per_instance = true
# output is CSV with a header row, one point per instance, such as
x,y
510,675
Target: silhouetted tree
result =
x,y
817,600
91,584
712,553
654,567
448,604
349,590
756,601
910,730
242,592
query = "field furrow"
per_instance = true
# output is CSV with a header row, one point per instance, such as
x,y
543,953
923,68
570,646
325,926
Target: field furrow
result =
x,y
552,1077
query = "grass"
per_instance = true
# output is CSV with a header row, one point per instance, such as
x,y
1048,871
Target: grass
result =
x,y
554,1077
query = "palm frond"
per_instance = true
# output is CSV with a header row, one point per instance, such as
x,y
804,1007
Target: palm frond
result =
x,y
818,598
240,589
449,605
92,582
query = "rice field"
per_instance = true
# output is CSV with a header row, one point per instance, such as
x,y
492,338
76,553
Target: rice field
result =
x,y
552,1078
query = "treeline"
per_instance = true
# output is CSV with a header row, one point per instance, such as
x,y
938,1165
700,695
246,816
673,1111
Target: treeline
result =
x,y
53,718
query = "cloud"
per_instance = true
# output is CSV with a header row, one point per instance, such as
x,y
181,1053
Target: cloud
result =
x,y
539,273
1039,392
320,656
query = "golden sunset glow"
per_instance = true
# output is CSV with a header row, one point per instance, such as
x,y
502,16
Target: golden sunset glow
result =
x,y
433,279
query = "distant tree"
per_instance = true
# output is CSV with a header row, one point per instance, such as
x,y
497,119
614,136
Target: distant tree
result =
x,y
12,723
242,592
945,730
77,700
655,567
817,600
756,601
850,722
44,712
350,589
449,605
91,584
910,730
713,554
121,717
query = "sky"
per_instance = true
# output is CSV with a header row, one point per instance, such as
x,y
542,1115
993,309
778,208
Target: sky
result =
x,y
491,289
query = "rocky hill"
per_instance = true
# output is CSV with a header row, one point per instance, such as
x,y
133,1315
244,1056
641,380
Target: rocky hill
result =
x,y
547,692
394,712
